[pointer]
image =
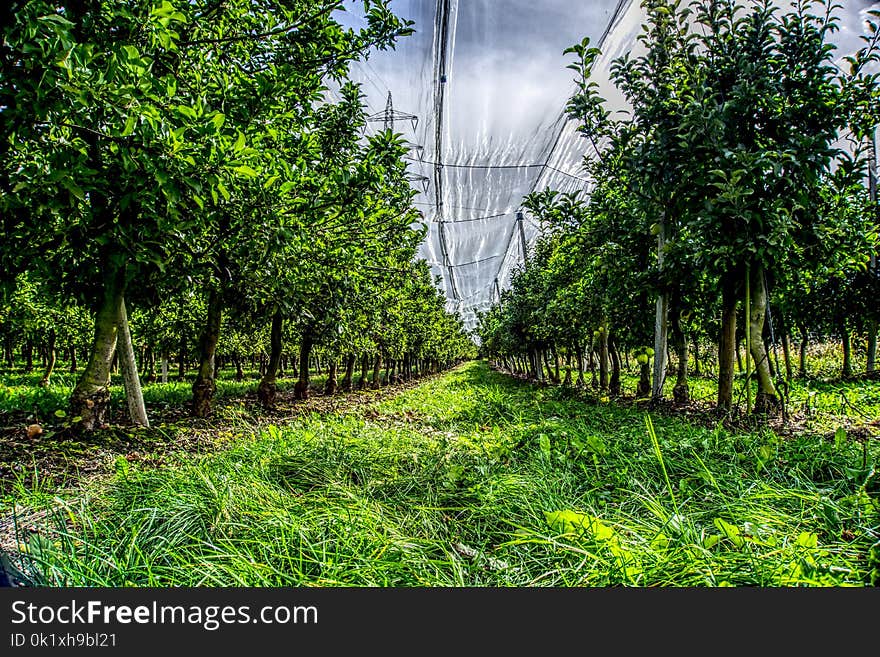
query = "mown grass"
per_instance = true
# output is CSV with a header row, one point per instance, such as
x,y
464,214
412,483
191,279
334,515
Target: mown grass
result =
x,y
474,479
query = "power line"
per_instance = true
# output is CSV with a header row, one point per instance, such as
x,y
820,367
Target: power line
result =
x,y
622,5
466,264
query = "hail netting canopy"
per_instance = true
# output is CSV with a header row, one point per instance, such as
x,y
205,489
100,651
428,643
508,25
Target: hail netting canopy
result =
x,y
479,93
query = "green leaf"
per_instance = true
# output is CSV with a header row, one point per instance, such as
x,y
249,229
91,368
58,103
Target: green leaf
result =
x,y
188,112
571,522
60,413
129,125
239,143
730,532
74,189
808,539
711,540
218,120
245,170
55,18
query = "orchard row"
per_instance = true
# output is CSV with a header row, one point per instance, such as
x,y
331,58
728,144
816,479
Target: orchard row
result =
x,y
203,167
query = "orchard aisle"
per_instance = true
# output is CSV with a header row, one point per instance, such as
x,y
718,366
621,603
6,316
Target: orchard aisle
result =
x,y
474,478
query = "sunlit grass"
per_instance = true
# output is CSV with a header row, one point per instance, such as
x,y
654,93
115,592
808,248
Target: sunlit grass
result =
x,y
21,392
475,479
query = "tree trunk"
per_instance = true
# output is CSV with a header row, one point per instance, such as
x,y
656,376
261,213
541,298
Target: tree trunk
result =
x,y
90,399
365,368
546,367
579,355
727,342
267,391
802,356
134,396
661,320
567,380
301,389
164,370
236,360
28,357
846,370
697,366
871,364
377,369
614,383
205,386
151,364
767,399
603,356
786,352
181,360
680,393
73,363
50,358
593,380
644,387
346,382
331,384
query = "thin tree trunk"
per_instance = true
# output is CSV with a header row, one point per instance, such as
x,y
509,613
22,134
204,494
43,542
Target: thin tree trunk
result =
x,y
205,386
90,399
614,383
767,399
644,386
661,322
346,382
579,355
365,368
134,396
236,361
332,384
151,364
73,363
377,370
50,358
786,355
802,356
267,391
303,384
871,365
603,356
594,382
847,370
680,393
181,360
28,357
727,343
164,370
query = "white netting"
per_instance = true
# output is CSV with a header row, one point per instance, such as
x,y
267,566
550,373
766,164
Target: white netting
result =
x,y
486,82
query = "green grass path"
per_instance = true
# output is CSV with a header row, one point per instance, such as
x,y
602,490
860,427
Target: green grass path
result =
x,y
475,479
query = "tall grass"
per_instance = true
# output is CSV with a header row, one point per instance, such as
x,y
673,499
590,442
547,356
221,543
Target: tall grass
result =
x,y
473,479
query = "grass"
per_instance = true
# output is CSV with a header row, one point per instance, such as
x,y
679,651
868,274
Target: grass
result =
x,y
475,479
21,392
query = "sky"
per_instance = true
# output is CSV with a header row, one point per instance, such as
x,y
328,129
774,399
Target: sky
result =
x,y
502,132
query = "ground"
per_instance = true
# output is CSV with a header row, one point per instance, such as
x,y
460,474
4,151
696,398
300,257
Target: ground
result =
x,y
470,478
